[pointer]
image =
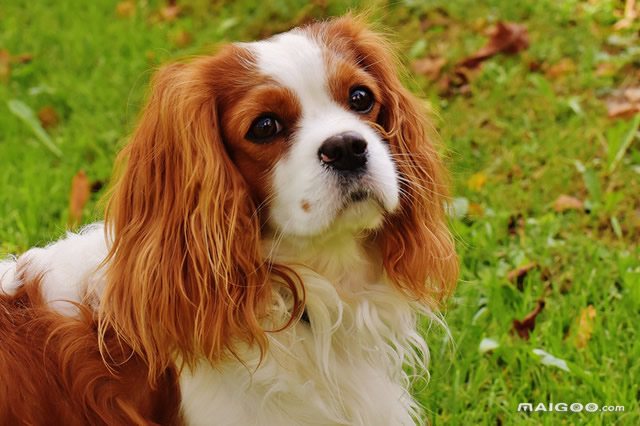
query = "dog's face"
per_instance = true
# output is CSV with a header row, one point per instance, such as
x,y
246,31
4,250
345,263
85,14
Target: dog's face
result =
x,y
307,133
306,136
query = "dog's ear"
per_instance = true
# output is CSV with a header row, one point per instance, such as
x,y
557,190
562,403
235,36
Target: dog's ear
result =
x,y
418,249
185,276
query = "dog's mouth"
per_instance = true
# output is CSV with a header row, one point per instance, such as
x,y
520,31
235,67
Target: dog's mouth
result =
x,y
358,195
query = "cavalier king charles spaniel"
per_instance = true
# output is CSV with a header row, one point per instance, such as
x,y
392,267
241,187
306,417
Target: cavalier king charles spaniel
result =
x,y
273,239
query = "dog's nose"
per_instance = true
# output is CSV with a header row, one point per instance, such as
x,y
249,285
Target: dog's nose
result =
x,y
345,152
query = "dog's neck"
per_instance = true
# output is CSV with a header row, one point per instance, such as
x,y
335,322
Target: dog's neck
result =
x,y
348,260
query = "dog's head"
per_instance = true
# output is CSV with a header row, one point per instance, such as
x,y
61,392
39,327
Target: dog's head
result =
x,y
309,132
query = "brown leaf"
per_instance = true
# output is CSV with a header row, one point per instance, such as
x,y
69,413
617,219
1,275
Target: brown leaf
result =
x,y
605,69
96,186
563,67
585,326
507,37
567,202
518,274
78,198
170,13
181,38
475,210
126,9
5,65
630,13
617,108
429,67
624,103
48,117
22,58
528,324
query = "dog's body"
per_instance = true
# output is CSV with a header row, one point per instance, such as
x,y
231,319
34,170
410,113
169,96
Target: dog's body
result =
x,y
272,278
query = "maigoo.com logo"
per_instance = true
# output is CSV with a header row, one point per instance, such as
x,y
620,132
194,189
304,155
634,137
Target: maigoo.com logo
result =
x,y
564,407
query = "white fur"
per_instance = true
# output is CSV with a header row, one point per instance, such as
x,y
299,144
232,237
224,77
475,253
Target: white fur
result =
x,y
345,368
296,61
66,268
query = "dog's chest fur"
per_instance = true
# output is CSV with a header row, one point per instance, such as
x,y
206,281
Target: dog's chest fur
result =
x,y
344,366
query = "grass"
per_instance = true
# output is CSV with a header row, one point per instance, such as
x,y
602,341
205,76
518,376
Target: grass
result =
x,y
526,131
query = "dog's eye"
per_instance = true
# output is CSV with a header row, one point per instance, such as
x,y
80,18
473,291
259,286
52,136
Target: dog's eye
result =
x,y
264,129
361,99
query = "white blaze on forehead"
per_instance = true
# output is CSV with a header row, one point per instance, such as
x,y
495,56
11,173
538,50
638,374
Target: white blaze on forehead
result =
x,y
295,60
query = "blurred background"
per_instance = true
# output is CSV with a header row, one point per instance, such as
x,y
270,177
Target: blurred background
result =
x,y
537,103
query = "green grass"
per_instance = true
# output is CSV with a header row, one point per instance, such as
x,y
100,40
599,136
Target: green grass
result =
x,y
533,135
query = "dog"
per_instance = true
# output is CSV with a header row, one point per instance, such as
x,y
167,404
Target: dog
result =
x,y
275,233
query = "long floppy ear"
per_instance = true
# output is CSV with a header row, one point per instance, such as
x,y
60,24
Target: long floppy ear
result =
x,y
418,250
185,278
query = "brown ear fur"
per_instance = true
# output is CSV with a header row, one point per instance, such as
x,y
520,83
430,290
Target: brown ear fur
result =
x,y
418,250
185,275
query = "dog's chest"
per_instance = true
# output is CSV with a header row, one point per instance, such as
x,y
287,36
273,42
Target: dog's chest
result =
x,y
343,367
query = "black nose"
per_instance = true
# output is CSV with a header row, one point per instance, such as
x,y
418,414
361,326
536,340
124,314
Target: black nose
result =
x,y
345,152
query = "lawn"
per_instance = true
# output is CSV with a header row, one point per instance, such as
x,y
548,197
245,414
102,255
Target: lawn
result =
x,y
519,131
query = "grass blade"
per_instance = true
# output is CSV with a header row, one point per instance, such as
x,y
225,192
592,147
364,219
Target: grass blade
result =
x,y
626,142
22,111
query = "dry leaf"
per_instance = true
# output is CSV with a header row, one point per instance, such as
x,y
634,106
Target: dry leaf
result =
x,y
567,202
477,181
518,274
528,324
22,58
507,37
475,210
78,198
624,103
585,326
429,67
5,65
182,38
630,14
126,9
565,66
621,109
605,69
48,117
170,13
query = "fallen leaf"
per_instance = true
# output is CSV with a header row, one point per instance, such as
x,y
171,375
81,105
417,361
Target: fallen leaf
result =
x,y
429,67
605,69
507,37
624,103
487,345
528,324
22,58
96,186
78,198
567,202
518,274
170,13
477,181
181,38
630,14
548,359
48,117
475,210
621,109
516,225
585,326
563,67
5,65
126,9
